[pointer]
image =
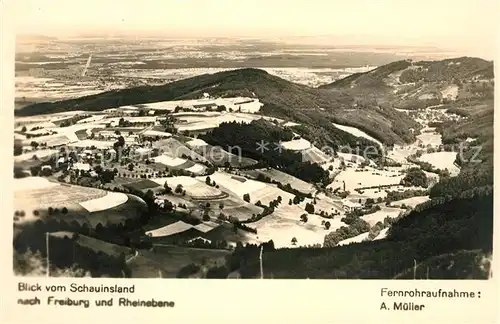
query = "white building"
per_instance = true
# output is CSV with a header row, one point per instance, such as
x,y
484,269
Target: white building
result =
x,y
81,166
350,206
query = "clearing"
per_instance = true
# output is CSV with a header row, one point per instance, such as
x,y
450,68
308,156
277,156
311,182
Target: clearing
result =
x,y
442,160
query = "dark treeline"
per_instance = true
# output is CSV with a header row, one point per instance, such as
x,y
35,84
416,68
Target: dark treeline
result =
x,y
246,137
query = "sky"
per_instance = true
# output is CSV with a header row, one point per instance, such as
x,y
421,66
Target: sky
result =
x,y
459,24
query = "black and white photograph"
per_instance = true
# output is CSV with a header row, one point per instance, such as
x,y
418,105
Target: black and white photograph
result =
x,y
254,140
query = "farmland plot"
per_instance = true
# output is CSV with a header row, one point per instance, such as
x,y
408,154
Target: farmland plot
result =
x,y
371,177
195,188
356,239
172,147
429,138
170,229
358,133
89,143
168,260
110,200
237,185
382,234
442,160
413,201
281,230
40,154
380,215
284,179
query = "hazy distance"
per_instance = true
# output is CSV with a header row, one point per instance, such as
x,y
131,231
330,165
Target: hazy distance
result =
x,y
461,25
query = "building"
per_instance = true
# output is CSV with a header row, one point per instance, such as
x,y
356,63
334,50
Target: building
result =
x,y
350,206
81,166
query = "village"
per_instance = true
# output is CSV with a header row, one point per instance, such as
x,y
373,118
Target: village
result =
x,y
154,149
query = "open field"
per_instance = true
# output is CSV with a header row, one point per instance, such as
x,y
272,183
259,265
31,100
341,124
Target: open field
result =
x,y
356,239
382,234
371,177
40,154
297,145
282,229
51,140
137,184
315,155
179,163
442,160
412,202
358,133
171,229
174,148
110,200
283,178
236,185
431,138
197,122
95,244
84,205
379,216
195,188
167,260
87,143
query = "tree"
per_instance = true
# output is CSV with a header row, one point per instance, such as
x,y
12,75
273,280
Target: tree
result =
x,y
131,167
18,150
179,189
23,129
168,190
208,181
303,218
246,197
310,208
221,206
18,172
294,241
415,177
64,210
206,217
35,170
290,201
327,225
34,144
98,169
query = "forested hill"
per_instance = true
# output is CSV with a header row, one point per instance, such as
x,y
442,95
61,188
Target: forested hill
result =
x,y
450,236
314,108
406,72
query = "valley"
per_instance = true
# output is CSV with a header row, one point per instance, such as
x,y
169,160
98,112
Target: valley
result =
x,y
190,177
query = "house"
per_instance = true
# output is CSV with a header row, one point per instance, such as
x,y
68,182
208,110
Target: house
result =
x,y
350,206
131,139
205,106
81,166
